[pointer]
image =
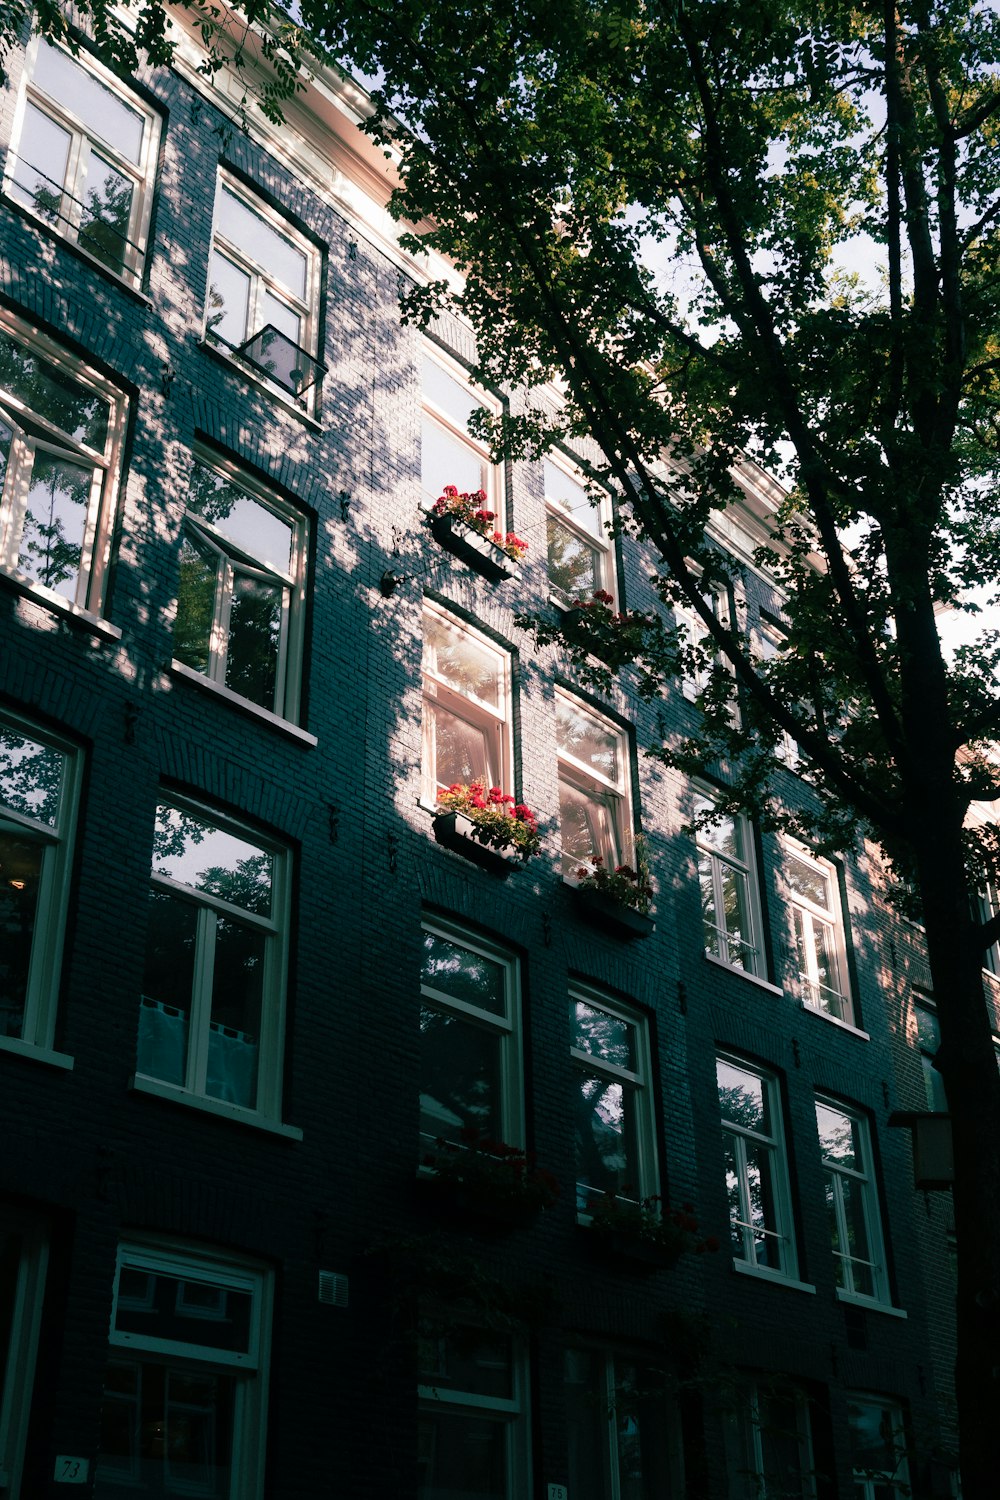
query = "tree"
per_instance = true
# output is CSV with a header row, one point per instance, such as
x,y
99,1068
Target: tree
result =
x,y
543,151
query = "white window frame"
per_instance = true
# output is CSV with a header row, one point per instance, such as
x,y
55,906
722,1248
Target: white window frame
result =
x,y
880,1484
600,541
494,724
780,1234
614,793
21,1352
637,1081
276,929
232,562
45,971
747,1459
604,1415
251,1366
927,1047
811,992
696,634
771,642
84,141
32,434
864,1184
752,950
262,281
506,1028
491,475
512,1411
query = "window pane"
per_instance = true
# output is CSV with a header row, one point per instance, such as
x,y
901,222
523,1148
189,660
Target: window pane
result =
x,y
107,212
641,1432
210,859
99,108
164,1432
587,826
54,524
445,459
461,1457
50,394
196,590
587,1424
763,1212
255,616
603,1035
876,1436
253,527
30,777
465,1359
237,995
606,1139
43,158
857,1236
589,741
462,661
461,750
460,1077
280,316
447,393
743,1098
168,981
569,496
464,975
20,874
838,1137
228,300
736,909
186,1310
725,837
261,242
806,881
574,566
737,1215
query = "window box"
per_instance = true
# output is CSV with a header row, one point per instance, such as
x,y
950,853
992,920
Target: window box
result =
x,y
621,921
647,1234
619,1248
466,1204
486,1180
456,832
473,548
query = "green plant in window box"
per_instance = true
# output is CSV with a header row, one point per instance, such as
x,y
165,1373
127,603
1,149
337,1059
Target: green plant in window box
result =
x,y
489,1177
498,820
648,1227
469,508
624,885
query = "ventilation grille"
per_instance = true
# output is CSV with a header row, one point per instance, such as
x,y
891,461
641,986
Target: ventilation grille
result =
x,y
333,1288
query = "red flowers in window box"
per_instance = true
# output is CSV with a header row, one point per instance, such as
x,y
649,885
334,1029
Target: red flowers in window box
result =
x,y
498,819
490,1177
470,509
648,1226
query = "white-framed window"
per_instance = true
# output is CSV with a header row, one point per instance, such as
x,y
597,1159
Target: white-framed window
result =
x,y
241,592
466,720
696,637
39,787
84,156
769,1443
470,1039
756,1165
61,426
23,1263
623,1428
581,553
594,803
614,1133
988,905
816,933
928,1042
264,290
449,454
472,1424
211,1017
185,1391
771,642
878,1448
852,1202
730,894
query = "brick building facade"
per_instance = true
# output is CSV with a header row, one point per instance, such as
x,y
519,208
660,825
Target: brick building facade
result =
x,y
244,989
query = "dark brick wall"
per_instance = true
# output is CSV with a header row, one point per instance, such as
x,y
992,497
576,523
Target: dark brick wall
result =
x,y
100,1159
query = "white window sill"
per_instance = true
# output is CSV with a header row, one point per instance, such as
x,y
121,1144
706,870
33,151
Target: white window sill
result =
x,y
814,1010
774,1278
235,1112
762,984
219,689
270,388
50,600
45,1055
872,1304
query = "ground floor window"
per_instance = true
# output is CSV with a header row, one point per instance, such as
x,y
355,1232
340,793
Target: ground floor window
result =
x,y
624,1436
472,1434
23,1260
184,1393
